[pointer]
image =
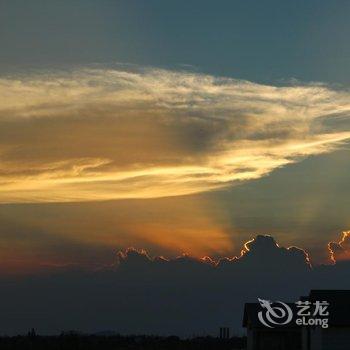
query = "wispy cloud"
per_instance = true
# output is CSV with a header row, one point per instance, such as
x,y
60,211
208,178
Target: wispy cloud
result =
x,y
99,134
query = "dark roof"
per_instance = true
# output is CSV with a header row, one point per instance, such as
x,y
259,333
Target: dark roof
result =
x,y
334,294
339,305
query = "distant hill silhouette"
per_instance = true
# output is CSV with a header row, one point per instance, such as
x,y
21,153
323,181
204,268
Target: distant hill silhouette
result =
x,y
93,342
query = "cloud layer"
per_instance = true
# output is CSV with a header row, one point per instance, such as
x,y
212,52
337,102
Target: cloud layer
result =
x,y
99,134
183,295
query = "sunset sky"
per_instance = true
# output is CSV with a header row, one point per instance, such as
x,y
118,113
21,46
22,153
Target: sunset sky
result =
x,y
171,127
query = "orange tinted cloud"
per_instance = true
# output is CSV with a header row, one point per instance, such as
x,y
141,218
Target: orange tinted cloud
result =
x,y
340,250
102,134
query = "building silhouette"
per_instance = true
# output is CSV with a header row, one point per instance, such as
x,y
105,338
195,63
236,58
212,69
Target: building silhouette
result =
x,y
307,336
224,333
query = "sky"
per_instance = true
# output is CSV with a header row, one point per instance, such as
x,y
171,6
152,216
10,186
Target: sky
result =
x,y
175,127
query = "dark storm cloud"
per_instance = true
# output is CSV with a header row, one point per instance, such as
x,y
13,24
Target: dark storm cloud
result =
x,y
182,295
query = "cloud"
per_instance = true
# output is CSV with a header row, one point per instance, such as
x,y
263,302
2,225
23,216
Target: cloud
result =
x,y
100,134
156,295
260,253
265,249
340,251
